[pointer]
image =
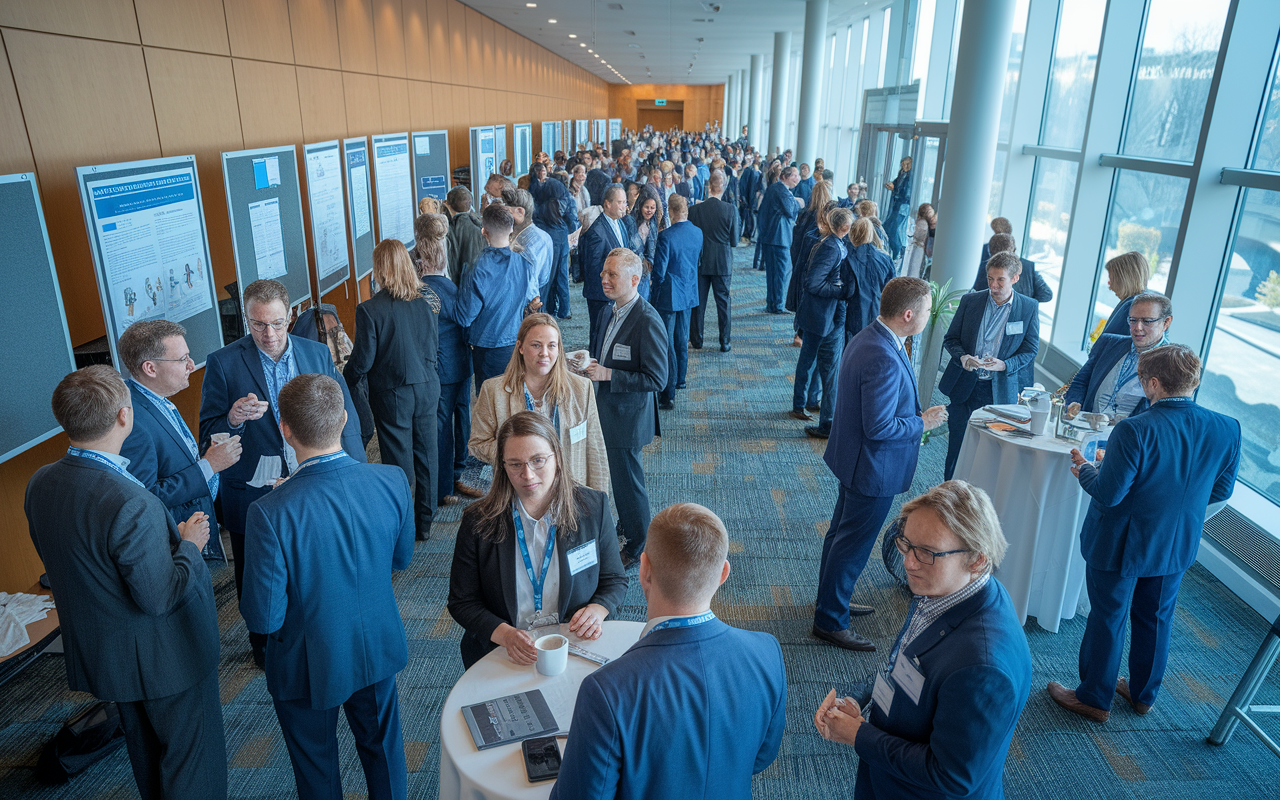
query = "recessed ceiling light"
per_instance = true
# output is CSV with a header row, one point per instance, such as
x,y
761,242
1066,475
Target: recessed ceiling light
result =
x,y
582,44
589,50
552,21
530,5
573,36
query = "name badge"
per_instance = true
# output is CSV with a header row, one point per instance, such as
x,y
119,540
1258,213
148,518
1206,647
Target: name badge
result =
x,y
622,352
908,678
578,432
583,556
882,694
1013,328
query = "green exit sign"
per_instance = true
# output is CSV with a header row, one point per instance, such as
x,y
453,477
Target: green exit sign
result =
x,y
660,102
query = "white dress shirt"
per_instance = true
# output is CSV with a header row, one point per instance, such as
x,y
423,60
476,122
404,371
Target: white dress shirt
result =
x,y
535,533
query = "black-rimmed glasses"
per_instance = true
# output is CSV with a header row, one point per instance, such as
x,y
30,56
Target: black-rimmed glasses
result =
x,y
923,555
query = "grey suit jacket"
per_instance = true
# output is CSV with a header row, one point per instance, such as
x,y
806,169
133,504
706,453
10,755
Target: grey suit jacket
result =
x,y
721,226
135,601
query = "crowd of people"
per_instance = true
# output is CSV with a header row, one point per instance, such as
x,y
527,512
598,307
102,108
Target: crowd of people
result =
x,y
460,355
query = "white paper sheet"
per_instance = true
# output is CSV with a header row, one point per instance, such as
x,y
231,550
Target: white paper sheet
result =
x,y
328,220
268,238
267,472
360,198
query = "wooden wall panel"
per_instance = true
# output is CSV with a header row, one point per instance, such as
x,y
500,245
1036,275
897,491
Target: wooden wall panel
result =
x,y
457,43
20,567
417,38
488,61
322,104
355,36
15,148
702,104
364,106
388,34
196,25
395,104
438,52
259,29
475,55
112,20
268,99
422,106
315,33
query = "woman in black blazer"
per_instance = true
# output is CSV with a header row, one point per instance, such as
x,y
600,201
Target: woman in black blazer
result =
x,y
535,536
396,338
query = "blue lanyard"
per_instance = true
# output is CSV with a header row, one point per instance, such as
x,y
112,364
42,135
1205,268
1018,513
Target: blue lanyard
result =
x,y
536,580
684,622
555,410
324,459
1173,400
103,460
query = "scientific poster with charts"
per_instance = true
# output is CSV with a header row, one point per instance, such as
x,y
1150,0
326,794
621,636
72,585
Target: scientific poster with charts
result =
x,y
150,237
395,187
328,211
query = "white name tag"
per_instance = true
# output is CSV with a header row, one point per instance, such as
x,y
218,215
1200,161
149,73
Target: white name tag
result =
x,y
908,678
622,352
882,694
583,556
577,433
1013,328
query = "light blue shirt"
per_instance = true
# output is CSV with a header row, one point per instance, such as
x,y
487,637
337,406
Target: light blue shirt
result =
x,y
170,412
991,333
536,248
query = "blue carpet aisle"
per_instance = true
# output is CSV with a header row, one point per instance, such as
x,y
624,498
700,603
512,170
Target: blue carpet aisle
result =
x,y
730,446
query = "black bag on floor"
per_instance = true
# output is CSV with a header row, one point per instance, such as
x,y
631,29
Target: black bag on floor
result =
x,y
84,740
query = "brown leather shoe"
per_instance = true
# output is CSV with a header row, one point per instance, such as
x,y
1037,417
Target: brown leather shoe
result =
x,y
1067,699
467,491
800,415
1122,689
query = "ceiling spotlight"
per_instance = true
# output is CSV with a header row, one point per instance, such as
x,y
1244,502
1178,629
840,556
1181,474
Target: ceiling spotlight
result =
x,y
589,50
582,44
552,21
530,5
573,36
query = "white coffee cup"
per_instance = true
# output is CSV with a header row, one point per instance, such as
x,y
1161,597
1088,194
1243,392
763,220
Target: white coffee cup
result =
x,y
1039,422
219,438
553,654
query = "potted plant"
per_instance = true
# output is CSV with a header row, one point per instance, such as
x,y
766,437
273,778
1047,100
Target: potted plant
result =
x,y
943,304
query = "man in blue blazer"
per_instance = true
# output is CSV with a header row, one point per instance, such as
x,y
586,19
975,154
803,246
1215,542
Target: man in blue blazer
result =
x,y
611,230
696,707
804,188
1108,381
674,291
947,700
1031,283
238,397
321,549
162,452
778,211
993,340
873,447
1162,470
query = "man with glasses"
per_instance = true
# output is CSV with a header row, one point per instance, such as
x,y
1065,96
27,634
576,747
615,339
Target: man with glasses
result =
x,y
1108,382
241,385
946,701
162,452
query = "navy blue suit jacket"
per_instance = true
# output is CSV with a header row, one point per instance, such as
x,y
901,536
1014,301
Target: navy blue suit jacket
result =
x,y
1118,322
1106,352
594,247
235,371
686,712
867,270
674,281
875,435
822,290
1017,350
778,211
158,456
1161,471
804,189
747,186
627,404
319,552
953,743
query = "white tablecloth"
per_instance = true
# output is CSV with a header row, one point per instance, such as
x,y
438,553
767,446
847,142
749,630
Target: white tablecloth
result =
x,y
1041,508
498,773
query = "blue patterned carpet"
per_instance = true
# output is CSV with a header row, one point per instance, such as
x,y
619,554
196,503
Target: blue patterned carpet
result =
x,y
730,446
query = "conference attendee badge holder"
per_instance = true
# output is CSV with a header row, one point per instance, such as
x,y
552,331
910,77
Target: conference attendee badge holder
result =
x,y
908,677
622,352
1013,328
537,619
578,432
583,556
882,694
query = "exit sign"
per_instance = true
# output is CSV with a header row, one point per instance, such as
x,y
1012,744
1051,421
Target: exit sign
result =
x,y
660,102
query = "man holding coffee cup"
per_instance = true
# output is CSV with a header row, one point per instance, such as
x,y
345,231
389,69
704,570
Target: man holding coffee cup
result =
x,y
696,707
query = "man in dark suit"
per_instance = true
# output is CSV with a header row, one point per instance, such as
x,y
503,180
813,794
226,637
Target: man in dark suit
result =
x,y
696,707
1108,381
611,230
778,211
466,243
629,367
1163,468
748,182
674,290
322,547
719,223
238,397
597,179
872,450
135,600
162,452
993,340
1031,284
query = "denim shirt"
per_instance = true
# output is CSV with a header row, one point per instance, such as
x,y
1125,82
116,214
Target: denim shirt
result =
x,y
491,298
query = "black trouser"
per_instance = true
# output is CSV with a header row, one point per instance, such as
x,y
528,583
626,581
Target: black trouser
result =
x,y
626,473
408,420
719,285
177,746
958,421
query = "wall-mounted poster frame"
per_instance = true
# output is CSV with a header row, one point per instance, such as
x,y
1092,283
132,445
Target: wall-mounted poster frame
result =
x,y
323,163
522,150
359,205
430,164
615,129
484,160
393,186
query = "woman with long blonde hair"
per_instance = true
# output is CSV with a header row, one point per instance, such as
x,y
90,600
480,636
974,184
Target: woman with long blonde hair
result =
x,y
1127,277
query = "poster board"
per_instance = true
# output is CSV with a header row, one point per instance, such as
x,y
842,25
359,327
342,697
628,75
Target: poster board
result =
x,y
599,130
499,143
393,182
430,165
566,137
359,205
150,247
264,202
484,160
522,151
323,162
550,138
37,320
615,129
581,133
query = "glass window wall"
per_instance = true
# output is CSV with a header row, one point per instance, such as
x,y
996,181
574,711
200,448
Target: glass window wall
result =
x,y
1048,219
1075,59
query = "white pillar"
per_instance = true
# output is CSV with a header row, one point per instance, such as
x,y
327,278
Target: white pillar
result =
x,y
981,62
778,96
756,112
730,126
744,100
811,69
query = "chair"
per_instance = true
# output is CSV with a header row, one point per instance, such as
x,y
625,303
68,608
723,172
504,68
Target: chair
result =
x,y
1238,707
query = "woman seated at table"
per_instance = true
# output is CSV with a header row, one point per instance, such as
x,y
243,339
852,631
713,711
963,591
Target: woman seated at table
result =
x,y
536,379
537,550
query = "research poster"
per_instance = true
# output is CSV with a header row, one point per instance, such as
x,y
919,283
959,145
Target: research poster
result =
x,y
328,212
582,133
359,205
395,187
550,137
268,238
499,144
152,245
615,130
599,129
523,156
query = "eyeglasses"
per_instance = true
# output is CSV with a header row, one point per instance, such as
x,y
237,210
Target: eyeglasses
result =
x,y
923,555
537,462
1145,322
260,326
185,358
